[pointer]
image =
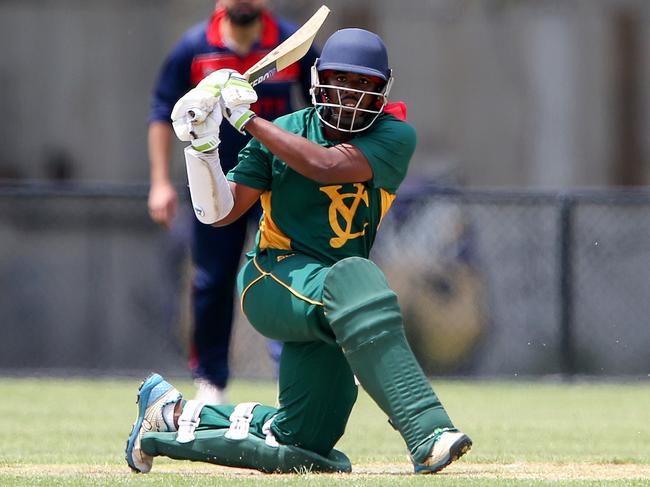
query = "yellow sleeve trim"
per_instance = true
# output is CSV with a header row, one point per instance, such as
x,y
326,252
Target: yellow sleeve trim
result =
x,y
270,235
386,202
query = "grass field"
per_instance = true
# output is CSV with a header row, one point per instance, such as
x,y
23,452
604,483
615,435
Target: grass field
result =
x,y
72,432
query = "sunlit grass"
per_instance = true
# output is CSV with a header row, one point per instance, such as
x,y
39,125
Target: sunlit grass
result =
x,y
45,423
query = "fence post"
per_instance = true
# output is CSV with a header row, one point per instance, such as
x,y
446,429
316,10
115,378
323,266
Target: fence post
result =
x,y
567,349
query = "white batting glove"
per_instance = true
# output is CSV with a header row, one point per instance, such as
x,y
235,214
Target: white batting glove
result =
x,y
204,135
236,98
194,117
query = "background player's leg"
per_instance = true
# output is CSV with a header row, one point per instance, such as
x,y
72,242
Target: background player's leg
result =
x,y
274,348
216,254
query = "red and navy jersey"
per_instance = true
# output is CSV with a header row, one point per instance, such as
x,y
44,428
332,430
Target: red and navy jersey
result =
x,y
202,50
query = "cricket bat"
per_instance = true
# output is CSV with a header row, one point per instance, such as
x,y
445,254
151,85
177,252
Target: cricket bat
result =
x,y
287,53
290,51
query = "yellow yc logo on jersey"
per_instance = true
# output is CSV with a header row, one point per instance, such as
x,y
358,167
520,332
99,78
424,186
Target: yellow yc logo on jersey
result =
x,y
339,208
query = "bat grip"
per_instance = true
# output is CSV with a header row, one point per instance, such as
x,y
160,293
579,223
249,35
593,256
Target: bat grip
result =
x,y
196,115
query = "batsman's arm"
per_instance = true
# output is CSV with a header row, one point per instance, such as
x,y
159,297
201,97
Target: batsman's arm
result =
x,y
244,197
342,163
215,200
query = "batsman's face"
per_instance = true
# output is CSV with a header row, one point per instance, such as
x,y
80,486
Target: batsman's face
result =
x,y
358,95
358,83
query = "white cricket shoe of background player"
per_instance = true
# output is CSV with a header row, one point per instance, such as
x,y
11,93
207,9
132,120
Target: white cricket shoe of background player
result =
x,y
208,393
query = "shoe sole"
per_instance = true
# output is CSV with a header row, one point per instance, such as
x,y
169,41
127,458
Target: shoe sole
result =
x,y
457,450
144,391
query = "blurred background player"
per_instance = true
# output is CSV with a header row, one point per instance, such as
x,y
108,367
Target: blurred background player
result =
x,y
326,176
237,35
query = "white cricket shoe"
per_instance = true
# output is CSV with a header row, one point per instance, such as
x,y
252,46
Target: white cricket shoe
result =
x,y
154,394
208,393
448,447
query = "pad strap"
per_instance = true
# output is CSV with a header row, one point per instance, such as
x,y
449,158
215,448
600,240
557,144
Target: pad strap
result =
x,y
240,420
270,439
189,421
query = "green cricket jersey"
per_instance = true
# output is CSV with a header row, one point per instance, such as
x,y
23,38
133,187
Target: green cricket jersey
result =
x,y
327,221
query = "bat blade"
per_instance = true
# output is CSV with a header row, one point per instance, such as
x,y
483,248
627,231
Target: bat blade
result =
x,y
290,51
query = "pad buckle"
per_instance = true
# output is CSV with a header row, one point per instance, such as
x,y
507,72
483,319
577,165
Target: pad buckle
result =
x,y
189,421
270,439
240,420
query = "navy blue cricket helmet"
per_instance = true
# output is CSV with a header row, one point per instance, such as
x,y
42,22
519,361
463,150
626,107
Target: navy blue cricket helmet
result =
x,y
353,51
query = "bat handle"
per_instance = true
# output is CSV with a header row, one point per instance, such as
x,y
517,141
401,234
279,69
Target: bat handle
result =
x,y
196,115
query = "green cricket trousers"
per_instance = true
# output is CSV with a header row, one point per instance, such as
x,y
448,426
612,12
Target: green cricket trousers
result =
x,y
281,295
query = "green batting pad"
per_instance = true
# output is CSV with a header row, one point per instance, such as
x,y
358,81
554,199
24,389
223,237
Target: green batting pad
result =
x,y
366,319
252,452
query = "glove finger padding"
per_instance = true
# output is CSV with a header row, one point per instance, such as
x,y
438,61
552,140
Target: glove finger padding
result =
x,y
237,91
204,97
196,100
216,80
236,98
195,118
204,135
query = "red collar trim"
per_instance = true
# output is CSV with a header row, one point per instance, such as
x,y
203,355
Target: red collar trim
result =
x,y
397,109
269,38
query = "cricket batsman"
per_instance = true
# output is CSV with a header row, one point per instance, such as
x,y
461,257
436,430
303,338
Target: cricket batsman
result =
x,y
326,176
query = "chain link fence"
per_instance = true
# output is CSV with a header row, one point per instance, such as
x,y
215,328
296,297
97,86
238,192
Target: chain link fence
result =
x,y
491,283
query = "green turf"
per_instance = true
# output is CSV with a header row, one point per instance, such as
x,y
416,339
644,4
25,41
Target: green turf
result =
x,y
47,424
